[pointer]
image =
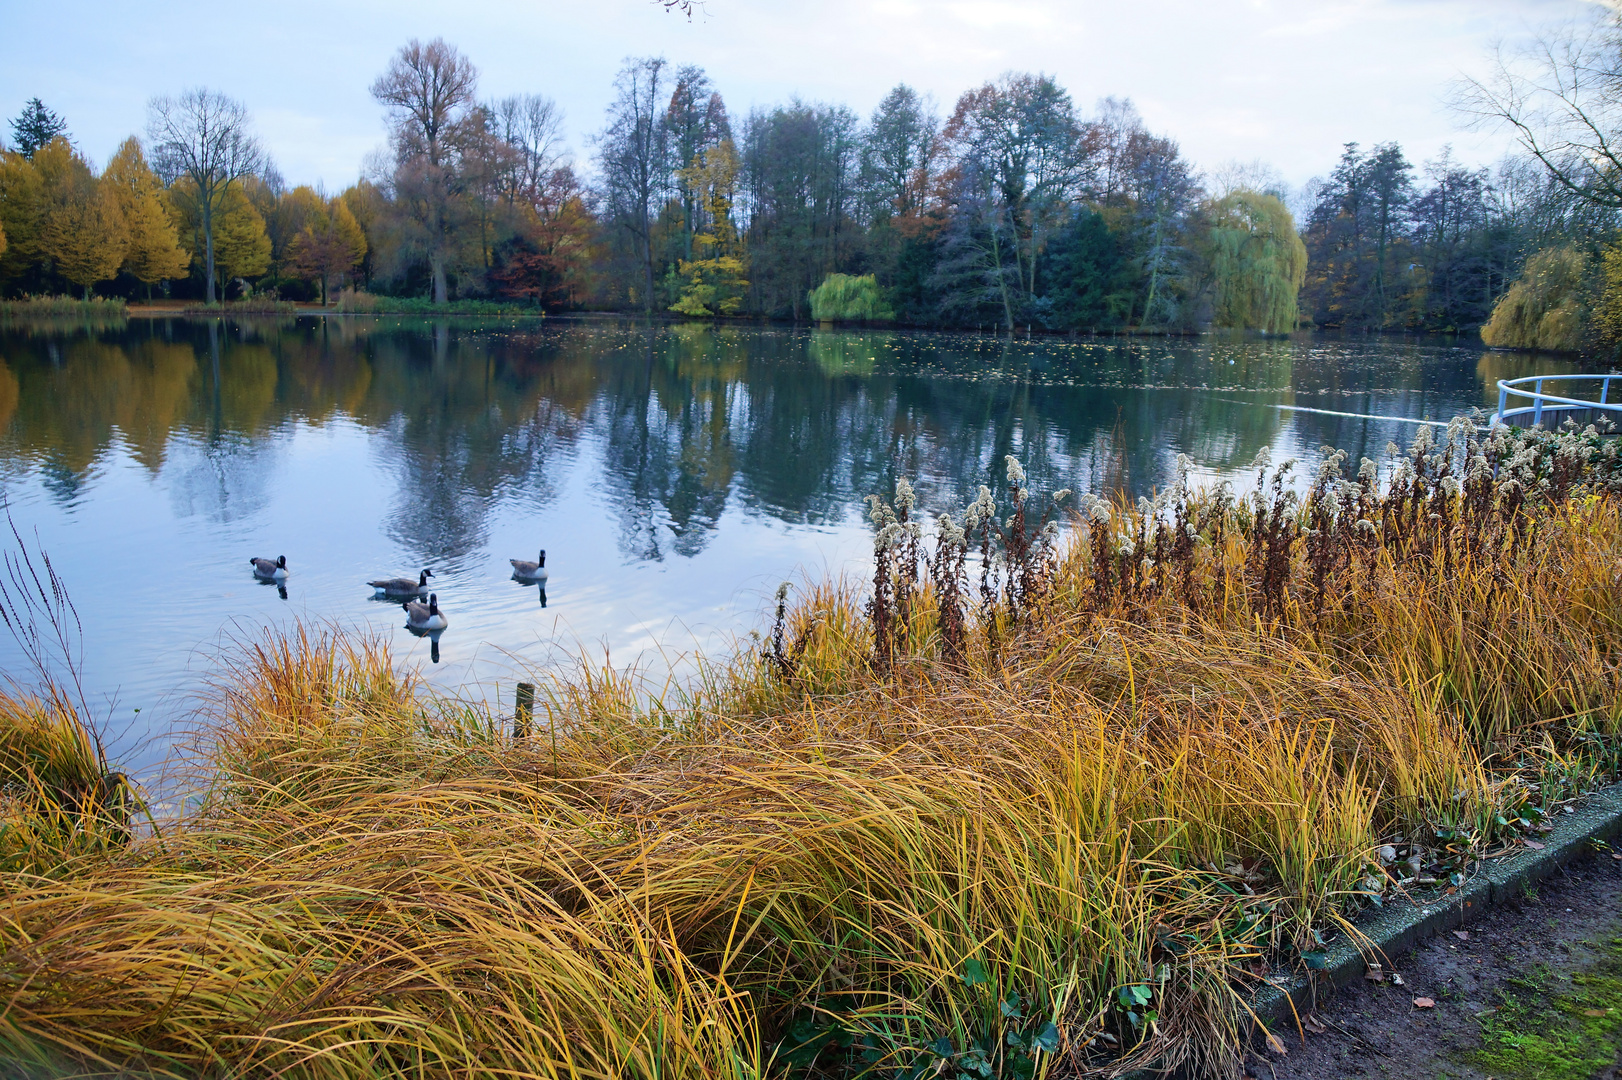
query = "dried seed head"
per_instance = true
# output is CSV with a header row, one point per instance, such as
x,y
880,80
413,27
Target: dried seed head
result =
x,y
1016,472
904,498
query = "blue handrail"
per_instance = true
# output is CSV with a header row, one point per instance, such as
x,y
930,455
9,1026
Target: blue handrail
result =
x,y
1539,399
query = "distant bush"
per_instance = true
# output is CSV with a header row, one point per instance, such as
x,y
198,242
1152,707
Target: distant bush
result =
x,y
843,298
1547,308
59,306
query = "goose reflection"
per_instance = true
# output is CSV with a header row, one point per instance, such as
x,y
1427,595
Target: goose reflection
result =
x,y
432,636
531,583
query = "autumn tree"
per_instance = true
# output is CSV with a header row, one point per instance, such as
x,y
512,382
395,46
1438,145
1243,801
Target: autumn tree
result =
x,y
153,252
895,157
203,136
35,126
429,92
1355,237
286,216
1257,262
697,120
81,231
330,244
1162,193
20,214
1018,143
242,247
634,156
712,283
368,205
800,199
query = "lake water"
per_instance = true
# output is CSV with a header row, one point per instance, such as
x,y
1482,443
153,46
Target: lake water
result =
x,y
674,476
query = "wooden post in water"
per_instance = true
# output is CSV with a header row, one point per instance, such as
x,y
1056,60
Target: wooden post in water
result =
x,y
526,710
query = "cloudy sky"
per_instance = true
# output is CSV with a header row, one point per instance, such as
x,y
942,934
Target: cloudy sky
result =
x,y
1284,81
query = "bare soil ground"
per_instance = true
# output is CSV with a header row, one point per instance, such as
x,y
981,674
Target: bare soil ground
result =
x,y
1532,990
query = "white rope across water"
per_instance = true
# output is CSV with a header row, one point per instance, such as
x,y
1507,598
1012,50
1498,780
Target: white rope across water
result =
x,y
1336,412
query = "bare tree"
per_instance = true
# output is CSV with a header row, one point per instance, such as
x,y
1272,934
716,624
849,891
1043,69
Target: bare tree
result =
x,y
429,92
634,151
1562,97
203,136
533,126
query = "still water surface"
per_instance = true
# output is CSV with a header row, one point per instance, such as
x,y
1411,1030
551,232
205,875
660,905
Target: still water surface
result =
x,y
674,476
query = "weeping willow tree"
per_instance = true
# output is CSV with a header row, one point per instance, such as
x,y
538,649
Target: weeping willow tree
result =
x,y
1547,308
843,298
1258,262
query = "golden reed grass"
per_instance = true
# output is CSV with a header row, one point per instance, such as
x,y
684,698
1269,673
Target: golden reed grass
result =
x,y
1061,827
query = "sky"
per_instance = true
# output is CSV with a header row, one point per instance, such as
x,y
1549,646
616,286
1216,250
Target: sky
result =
x,y
1286,82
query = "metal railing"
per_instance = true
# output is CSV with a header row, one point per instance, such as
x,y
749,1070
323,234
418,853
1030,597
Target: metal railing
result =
x,y
1531,389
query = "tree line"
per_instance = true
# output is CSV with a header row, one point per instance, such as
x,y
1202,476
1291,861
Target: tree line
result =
x,y
1015,209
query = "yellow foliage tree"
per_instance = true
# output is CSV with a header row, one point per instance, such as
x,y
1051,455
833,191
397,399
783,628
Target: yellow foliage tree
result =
x,y
82,229
154,252
1258,262
1607,313
20,213
330,244
286,219
368,205
713,285
1547,308
241,245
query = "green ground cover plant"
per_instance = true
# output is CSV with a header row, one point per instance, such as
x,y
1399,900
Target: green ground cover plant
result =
x,y
1553,1028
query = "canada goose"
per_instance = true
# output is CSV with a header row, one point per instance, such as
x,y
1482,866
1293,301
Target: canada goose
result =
x,y
402,586
420,616
530,571
266,570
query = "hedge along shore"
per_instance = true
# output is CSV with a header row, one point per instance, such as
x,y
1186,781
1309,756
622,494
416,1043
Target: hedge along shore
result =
x,y
1023,802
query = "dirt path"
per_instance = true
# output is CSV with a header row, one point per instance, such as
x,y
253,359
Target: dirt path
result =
x,y
1533,991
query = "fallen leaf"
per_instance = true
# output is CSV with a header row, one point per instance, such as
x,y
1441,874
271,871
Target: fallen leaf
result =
x,y
1535,846
1462,935
1374,974
1316,1026
1424,1003
1617,855
1595,1012
1484,1013
1276,1045
1396,980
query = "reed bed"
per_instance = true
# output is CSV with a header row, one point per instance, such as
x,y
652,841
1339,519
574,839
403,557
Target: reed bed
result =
x,y
1026,804
95,307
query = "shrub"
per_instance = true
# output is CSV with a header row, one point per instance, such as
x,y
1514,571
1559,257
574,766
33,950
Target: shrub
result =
x,y
1547,309
842,298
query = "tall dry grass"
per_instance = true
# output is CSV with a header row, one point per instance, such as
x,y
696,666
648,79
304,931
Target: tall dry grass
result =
x,y
1057,815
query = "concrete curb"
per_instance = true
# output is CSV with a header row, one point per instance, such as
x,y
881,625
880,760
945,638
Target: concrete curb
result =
x,y
1400,925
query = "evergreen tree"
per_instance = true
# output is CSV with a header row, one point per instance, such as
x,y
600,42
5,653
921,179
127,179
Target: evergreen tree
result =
x,y
35,127
1089,284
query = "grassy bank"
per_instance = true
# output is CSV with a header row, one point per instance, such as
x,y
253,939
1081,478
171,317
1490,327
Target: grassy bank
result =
x,y
1057,808
48,314
350,302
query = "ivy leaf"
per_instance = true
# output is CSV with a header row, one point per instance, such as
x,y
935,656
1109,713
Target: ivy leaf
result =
x,y
1048,1038
974,973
